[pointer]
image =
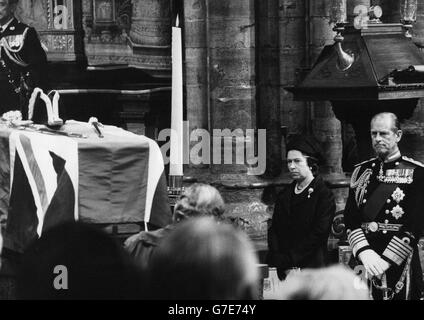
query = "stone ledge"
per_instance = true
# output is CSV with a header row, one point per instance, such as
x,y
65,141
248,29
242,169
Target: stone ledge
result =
x,y
243,181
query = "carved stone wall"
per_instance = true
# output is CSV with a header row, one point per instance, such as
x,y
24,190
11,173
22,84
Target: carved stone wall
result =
x,y
128,33
151,23
292,48
33,13
57,25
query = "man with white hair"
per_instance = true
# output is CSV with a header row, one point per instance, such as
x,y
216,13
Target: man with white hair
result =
x,y
383,214
197,200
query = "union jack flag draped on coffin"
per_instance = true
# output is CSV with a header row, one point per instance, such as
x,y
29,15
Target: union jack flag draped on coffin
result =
x,y
53,179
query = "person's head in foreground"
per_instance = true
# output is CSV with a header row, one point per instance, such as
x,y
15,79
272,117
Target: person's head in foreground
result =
x,y
202,259
75,261
331,283
199,199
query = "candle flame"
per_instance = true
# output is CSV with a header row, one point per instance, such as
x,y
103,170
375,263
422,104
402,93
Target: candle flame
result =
x,y
177,22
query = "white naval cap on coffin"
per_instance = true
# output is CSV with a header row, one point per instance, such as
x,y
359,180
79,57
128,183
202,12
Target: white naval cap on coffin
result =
x,y
48,115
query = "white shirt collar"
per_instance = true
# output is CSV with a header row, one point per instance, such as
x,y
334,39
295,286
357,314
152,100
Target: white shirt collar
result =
x,y
393,157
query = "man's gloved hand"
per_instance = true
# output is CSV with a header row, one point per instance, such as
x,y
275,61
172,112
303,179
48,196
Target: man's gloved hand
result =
x,y
373,263
385,265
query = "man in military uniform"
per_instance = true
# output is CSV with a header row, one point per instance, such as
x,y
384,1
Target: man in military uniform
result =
x,y
384,214
23,61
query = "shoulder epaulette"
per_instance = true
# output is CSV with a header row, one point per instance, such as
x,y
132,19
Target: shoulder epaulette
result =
x,y
366,161
417,163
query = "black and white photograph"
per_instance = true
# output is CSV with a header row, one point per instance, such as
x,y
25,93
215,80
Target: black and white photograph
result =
x,y
196,151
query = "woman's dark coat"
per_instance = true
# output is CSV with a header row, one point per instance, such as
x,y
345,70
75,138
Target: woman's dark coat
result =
x,y
300,227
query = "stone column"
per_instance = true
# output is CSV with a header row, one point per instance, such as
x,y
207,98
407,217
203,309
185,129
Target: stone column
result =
x,y
414,128
292,42
418,29
151,22
232,89
418,38
326,127
87,16
231,29
196,70
268,79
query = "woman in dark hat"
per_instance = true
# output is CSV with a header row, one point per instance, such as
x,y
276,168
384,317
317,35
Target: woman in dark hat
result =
x,y
303,212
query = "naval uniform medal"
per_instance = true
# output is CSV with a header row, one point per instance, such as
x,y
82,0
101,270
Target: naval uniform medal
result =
x,y
401,176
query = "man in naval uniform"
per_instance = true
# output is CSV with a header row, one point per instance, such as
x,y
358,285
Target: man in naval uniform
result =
x,y
23,62
384,214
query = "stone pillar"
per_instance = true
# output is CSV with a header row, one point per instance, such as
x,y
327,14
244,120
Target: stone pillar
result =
x,y
418,29
151,22
326,127
292,42
413,128
87,16
268,80
418,38
196,70
231,29
232,89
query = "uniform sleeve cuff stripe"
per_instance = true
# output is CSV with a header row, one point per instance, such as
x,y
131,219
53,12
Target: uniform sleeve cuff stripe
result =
x,y
359,243
357,237
401,254
356,231
401,246
397,243
396,240
393,257
400,250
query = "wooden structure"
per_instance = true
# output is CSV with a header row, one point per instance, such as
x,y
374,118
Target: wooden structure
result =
x,y
385,75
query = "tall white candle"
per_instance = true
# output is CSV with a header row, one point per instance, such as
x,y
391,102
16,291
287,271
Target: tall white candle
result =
x,y
338,12
176,156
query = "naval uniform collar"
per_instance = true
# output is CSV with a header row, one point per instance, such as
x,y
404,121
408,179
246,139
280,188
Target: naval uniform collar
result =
x,y
392,157
4,27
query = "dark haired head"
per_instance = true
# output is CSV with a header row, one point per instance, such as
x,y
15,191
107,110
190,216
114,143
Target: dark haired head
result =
x,y
96,266
203,259
313,163
310,149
